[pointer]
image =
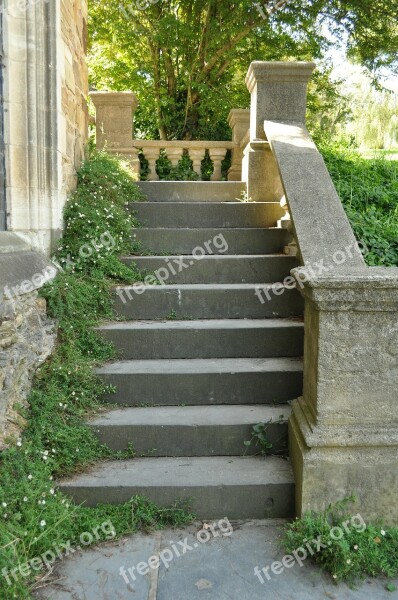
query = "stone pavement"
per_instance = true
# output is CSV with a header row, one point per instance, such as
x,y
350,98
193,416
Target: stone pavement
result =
x,y
221,568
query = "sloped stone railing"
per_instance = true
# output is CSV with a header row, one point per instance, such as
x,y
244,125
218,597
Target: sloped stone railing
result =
x,y
115,132
343,432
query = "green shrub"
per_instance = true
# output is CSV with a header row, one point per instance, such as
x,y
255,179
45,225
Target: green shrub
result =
x,y
34,516
368,189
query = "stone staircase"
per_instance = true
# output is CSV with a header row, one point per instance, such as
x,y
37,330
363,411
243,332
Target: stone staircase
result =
x,y
202,359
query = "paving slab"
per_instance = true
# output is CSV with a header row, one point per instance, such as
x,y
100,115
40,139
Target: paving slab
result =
x,y
195,564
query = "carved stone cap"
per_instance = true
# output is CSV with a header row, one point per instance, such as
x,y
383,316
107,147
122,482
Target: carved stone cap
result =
x,y
286,71
238,115
114,99
373,289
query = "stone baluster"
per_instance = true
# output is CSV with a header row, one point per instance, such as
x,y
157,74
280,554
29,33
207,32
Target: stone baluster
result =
x,y
197,155
217,155
174,155
152,155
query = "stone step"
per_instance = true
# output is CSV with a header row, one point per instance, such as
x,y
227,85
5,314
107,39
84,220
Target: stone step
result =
x,y
174,382
218,338
218,268
216,487
192,191
206,214
206,301
192,430
204,241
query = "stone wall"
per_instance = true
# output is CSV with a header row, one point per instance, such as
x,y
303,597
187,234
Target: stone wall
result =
x,y
74,90
27,335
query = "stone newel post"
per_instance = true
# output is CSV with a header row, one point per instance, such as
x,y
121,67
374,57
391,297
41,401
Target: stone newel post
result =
x,y
115,123
278,93
114,118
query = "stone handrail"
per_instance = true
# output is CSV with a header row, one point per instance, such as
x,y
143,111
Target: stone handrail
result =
x,y
320,223
343,433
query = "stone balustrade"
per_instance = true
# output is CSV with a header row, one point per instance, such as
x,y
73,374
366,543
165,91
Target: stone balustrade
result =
x,y
175,150
115,132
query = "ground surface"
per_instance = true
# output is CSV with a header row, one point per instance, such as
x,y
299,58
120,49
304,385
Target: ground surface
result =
x,y
221,568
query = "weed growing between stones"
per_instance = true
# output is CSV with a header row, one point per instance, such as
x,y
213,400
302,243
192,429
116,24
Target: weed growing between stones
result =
x,y
346,552
34,516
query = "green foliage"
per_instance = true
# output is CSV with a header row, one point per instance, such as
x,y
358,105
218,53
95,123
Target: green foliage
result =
x,y
368,189
184,170
34,516
187,59
362,549
261,439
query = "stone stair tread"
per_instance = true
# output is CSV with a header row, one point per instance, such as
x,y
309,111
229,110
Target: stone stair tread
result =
x,y
204,324
171,287
205,257
214,230
203,203
193,416
198,365
186,472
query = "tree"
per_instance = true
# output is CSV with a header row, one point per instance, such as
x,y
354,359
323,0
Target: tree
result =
x,y
186,59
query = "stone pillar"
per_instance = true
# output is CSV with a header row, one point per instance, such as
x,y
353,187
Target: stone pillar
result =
x,y
344,431
278,93
239,121
114,118
45,117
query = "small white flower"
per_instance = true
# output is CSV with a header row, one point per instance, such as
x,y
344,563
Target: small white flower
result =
x,y
61,405
25,499
52,491
383,532
4,504
42,523
19,443
45,453
356,547
30,477
348,561
45,457
334,576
